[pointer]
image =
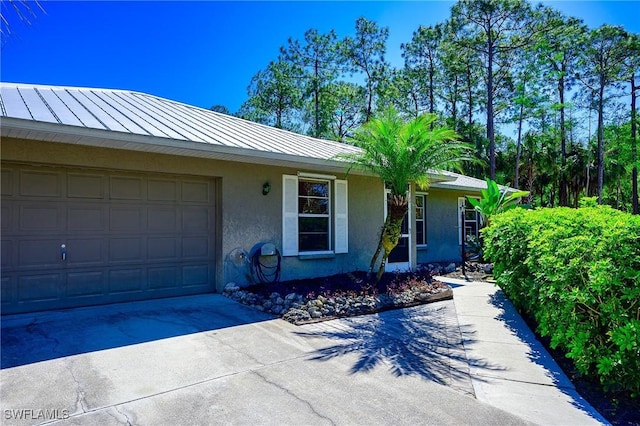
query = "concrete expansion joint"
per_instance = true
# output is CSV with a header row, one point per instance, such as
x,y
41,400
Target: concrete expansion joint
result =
x,y
527,382
288,392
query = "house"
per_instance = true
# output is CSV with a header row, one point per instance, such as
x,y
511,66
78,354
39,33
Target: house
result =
x,y
113,195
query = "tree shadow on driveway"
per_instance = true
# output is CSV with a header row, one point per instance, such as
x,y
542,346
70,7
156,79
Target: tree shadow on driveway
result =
x,y
41,336
424,341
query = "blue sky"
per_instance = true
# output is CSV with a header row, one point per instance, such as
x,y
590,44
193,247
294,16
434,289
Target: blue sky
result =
x,y
205,52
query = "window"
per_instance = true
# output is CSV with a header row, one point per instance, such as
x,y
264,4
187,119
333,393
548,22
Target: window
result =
x,y
314,215
471,219
421,219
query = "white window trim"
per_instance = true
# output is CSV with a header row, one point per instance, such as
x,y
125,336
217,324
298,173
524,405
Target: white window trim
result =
x,y
338,215
424,219
461,203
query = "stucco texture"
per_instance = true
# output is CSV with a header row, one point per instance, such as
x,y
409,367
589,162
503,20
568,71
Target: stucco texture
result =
x,y
244,215
442,227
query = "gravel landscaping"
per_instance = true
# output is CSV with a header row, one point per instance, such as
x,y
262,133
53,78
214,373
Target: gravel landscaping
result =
x,y
344,295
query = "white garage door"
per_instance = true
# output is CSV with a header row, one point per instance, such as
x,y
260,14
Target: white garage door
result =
x,y
73,237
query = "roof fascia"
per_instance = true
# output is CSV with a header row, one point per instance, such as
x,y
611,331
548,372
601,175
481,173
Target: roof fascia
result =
x,y
54,132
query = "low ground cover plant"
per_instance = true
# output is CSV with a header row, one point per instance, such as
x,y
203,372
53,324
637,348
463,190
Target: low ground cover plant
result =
x,y
577,273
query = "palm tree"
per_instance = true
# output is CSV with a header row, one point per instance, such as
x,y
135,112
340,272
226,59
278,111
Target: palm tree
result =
x,y
402,153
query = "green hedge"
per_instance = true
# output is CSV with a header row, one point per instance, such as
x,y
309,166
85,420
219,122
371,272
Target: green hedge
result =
x,y
577,272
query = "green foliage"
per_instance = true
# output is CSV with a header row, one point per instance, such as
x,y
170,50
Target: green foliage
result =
x,y
577,272
405,152
495,200
588,202
401,153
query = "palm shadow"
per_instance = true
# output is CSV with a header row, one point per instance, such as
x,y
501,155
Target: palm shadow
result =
x,y
424,341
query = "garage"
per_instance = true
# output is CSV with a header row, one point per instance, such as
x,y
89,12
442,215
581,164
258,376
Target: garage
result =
x,y
76,237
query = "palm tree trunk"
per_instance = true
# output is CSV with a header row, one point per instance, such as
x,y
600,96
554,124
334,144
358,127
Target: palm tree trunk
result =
x,y
398,207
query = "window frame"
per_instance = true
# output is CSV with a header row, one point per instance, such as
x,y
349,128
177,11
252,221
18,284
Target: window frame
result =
x,y
462,201
328,215
421,223
338,217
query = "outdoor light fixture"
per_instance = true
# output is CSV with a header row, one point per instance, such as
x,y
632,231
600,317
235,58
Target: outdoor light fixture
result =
x,y
266,187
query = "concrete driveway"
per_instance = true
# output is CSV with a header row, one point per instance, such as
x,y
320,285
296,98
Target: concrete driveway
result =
x,y
208,360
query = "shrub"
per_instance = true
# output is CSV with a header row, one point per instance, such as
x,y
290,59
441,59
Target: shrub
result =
x,y
577,273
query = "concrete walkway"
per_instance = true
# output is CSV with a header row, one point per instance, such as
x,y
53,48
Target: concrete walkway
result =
x,y
523,379
208,360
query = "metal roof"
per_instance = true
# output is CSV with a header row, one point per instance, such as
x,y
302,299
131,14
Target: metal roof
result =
x,y
137,121
461,182
91,114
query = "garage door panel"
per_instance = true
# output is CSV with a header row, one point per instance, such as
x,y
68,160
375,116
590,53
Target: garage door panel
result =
x,y
39,252
195,275
39,287
162,190
85,283
86,218
163,278
41,218
83,251
6,181
126,281
126,219
84,185
162,220
196,192
41,183
6,252
195,247
162,248
126,250
6,218
7,290
195,219
126,188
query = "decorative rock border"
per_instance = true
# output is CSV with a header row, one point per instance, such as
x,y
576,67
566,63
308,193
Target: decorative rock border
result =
x,y
297,309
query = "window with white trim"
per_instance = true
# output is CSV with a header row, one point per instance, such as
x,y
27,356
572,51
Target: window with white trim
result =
x,y
471,219
421,219
314,215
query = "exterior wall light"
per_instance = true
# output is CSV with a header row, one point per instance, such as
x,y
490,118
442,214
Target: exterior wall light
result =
x,y
266,187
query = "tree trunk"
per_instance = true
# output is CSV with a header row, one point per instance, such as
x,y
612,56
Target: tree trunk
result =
x,y
634,146
490,130
601,139
516,171
432,102
391,232
316,95
454,103
563,143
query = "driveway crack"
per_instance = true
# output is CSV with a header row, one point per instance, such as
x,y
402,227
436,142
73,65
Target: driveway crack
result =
x,y
288,392
128,420
81,403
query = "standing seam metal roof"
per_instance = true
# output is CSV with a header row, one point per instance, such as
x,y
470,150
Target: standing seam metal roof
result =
x,y
139,114
143,114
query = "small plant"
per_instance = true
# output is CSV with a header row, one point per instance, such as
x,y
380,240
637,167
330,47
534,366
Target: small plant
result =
x,y
494,200
474,248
